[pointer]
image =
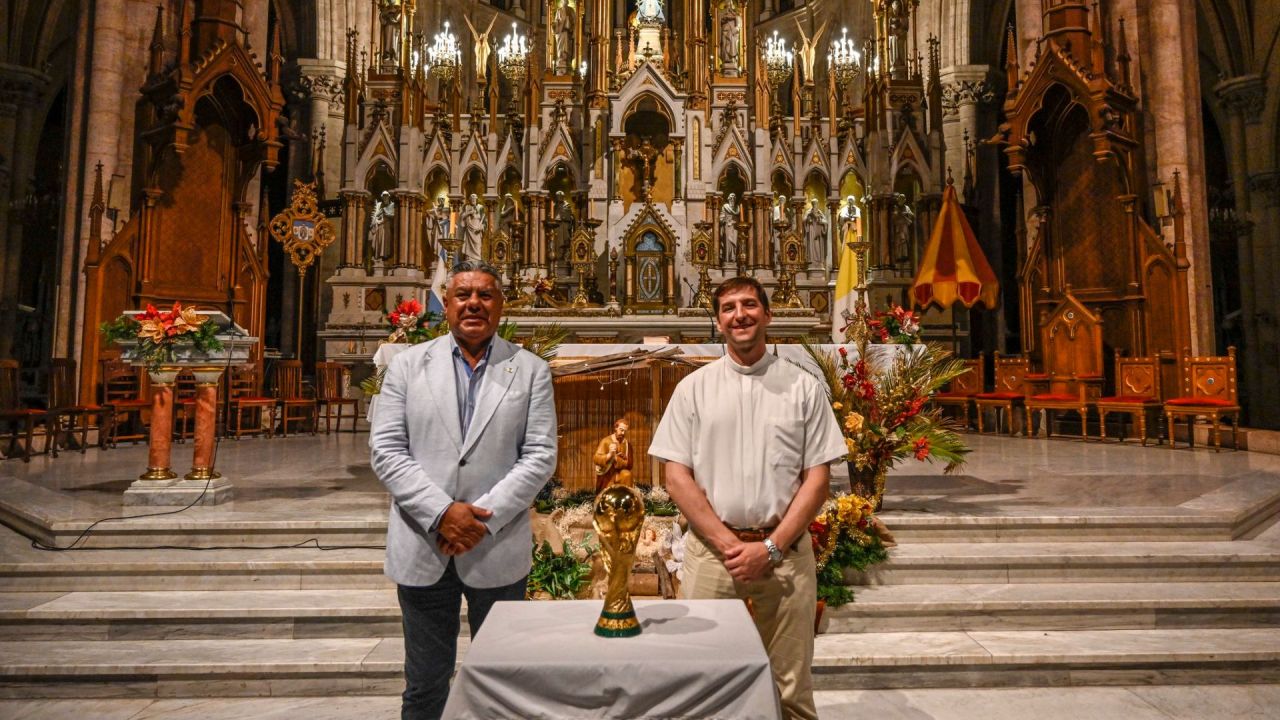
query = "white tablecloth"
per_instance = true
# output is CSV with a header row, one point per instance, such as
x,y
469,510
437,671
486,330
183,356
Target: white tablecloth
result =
x,y
693,659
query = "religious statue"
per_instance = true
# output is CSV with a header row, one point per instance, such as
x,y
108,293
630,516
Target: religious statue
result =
x,y
904,223
781,211
808,51
391,14
506,214
729,229
481,49
564,214
613,458
650,11
471,227
379,233
730,39
815,235
564,24
440,216
850,219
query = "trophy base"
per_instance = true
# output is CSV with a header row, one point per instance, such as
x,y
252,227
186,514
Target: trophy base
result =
x,y
623,624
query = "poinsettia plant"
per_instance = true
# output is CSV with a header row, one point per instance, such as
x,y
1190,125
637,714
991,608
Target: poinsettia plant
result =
x,y
158,335
411,323
896,325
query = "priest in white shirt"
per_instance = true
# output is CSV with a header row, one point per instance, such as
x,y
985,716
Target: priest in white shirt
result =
x,y
747,441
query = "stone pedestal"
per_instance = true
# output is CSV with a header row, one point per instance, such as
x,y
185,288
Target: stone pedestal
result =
x,y
179,492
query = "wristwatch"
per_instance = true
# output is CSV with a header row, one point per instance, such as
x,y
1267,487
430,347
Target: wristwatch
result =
x,y
775,555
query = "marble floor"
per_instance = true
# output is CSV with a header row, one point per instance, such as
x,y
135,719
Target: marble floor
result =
x,y
1183,702
328,479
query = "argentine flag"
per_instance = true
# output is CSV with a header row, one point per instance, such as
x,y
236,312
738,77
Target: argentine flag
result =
x,y
439,285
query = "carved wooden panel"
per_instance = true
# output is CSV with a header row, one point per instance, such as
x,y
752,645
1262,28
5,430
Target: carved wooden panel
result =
x,y
1089,224
1138,377
193,233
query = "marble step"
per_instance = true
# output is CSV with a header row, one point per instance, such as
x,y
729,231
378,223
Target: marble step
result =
x,y
1046,658
1057,606
1061,562
372,666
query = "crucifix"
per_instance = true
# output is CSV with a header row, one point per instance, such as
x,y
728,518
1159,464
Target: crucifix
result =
x,y
646,153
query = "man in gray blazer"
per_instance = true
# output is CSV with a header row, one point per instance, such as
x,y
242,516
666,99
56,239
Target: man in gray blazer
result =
x,y
464,438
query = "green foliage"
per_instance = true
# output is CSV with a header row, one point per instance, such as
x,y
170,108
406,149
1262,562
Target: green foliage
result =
x,y
372,385
848,555
125,329
555,495
561,575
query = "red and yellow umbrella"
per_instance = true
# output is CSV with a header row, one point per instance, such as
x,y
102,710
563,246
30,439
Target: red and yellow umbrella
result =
x,y
953,267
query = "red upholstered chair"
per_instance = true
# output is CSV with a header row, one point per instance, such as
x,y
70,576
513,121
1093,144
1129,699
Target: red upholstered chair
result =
x,y
1208,391
331,382
1071,342
1137,395
960,391
1009,391
123,393
247,400
295,405
17,422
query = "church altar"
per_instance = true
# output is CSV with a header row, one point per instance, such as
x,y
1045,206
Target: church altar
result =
x,y
692,659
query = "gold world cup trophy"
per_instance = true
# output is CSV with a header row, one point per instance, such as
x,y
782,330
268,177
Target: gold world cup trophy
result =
x,y
619,516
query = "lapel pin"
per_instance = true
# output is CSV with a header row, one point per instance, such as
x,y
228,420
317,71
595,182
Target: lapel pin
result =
x,y
510,370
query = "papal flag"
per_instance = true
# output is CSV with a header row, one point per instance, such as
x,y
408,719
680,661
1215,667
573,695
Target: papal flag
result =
x,y
847,293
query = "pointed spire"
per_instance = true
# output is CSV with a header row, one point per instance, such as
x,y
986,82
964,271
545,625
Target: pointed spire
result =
x,y
1098,43
1122,58
1011,61
96,209
157,43
967,180
274,57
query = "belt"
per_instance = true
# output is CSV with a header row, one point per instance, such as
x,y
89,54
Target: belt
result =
x,y
752,534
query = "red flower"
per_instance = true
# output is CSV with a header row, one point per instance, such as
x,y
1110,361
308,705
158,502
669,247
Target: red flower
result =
x,y
862,523
922,448
394,317
849,381
843,352
409,307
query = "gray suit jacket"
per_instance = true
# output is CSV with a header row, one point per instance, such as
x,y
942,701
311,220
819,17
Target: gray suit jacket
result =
x,y
419,453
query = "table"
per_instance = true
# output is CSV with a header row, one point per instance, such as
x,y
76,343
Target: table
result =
x,y
540,659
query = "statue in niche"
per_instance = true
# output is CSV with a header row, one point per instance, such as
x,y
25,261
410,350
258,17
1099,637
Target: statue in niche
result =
x,y
506,213
564,23
564,215
850,221
815,235
379,233
650,11
781,210
730,39
612,459
390,14
440,218
808,51
480,41
729,229
471,224
904,222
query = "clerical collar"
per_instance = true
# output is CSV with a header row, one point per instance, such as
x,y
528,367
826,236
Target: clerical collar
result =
x,y
760,365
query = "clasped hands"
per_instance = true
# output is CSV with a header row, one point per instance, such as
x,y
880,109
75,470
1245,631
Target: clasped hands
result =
x,y
746,561
460,528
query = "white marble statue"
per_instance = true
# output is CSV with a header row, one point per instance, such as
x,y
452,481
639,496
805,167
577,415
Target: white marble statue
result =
x,y
650,11
440,219
564,23
904,223
379,233
730,42
850,221
391,14
506,213
815,236
471,226
729,229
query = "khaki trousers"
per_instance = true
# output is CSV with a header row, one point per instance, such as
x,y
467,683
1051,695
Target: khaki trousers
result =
x,y
785,603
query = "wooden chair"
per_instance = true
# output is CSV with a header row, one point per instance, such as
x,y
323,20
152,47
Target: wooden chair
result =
x,y
1071,336
1009,391
331,381
66,416
1209,391
184,405
246,398
961,390
124,394
1137,395
295,406
16,421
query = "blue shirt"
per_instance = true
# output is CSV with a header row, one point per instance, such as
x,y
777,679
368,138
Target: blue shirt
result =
x,y
467,383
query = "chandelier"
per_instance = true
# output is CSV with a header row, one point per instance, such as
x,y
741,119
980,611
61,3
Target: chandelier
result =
x,y
445,55
778,59
843,59
513,56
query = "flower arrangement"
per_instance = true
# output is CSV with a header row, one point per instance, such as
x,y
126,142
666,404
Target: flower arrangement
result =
x,y
897,325
411,323
159,334
846,534
882,410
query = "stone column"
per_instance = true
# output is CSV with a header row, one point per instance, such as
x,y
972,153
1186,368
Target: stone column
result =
x,y
964,89
206,423
1174,81
19,91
